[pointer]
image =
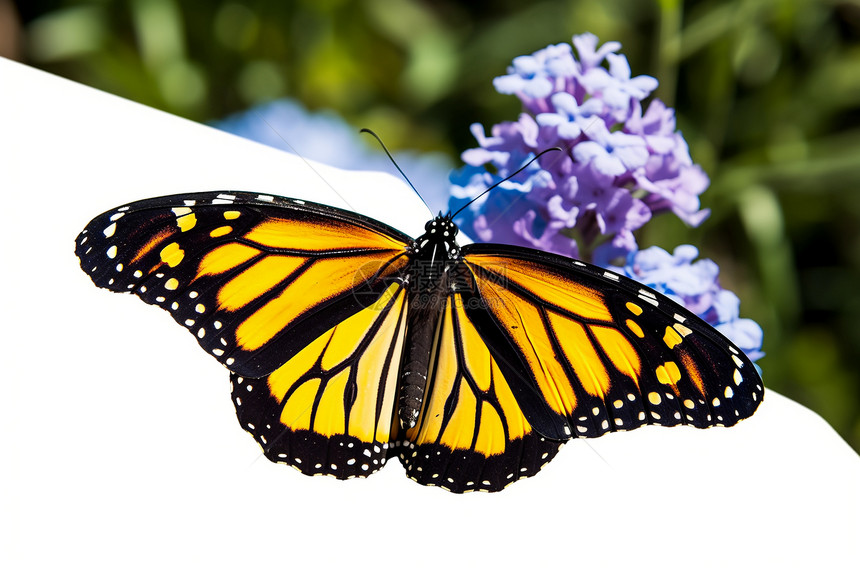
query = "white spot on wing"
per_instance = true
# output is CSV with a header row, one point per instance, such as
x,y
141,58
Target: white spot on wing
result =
x,y
224,199
648,298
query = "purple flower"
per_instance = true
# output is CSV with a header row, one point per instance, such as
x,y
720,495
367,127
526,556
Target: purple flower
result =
x,y
669,175
612,153
615,86
695,285
535,77
570,119
618,168
589,54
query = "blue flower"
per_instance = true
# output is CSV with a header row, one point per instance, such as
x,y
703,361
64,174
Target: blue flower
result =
x,y
696,286
325,137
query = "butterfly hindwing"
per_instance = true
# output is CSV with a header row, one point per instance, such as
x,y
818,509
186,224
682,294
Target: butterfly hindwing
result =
x,y
254,277
605,352
472,433
329,409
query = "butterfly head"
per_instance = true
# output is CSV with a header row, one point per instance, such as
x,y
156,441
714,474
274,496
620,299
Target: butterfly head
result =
x,y
440,231
441,226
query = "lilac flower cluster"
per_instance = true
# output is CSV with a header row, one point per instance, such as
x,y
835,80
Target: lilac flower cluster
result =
x,y
696,286
620,165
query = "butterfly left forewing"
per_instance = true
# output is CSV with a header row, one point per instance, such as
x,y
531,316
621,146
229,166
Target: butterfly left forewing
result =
x,y
605,352
254,278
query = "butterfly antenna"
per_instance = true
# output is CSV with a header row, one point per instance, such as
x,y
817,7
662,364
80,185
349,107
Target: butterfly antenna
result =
x,y
509,177
302,157
385,149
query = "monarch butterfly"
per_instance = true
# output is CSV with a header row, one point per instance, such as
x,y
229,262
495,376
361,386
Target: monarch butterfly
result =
x,y
349,343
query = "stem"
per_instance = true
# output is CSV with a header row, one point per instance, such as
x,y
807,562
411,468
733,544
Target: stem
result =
x,y
669,48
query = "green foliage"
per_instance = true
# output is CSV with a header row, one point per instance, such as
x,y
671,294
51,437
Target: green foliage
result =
x,y
767,94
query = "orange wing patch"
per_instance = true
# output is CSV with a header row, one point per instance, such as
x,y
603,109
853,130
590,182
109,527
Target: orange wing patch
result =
x,y
585,302
319,235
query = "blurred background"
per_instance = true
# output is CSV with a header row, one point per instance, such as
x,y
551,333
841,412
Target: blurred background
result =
x,y
767,94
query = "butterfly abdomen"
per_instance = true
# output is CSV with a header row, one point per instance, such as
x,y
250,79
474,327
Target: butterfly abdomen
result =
x,y
425,311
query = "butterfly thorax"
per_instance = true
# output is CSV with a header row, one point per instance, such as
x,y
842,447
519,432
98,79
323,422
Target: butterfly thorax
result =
x,y
432,257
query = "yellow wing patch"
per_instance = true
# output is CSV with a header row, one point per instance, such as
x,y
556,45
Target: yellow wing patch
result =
x,y
471,433
322,280
466,374
320,372
329,409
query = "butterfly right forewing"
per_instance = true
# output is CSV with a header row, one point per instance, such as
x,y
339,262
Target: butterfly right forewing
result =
x,y
604,352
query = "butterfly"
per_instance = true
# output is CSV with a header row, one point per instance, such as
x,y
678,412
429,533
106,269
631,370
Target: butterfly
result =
x,y
349,343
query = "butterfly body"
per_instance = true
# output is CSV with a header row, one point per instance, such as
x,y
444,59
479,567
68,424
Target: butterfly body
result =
x,y
432,257
349,343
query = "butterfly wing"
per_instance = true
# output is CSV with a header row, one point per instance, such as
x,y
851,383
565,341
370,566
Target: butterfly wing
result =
x,y
329,409
255,278
603,352
471,433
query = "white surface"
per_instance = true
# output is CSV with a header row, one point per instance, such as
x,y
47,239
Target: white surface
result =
x,y
120,449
